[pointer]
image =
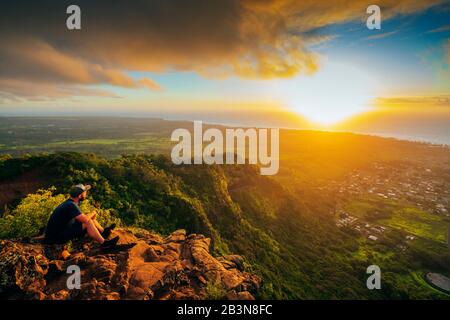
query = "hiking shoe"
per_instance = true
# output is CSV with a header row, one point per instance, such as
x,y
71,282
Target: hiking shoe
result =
x,y
107,231
118,248
110,243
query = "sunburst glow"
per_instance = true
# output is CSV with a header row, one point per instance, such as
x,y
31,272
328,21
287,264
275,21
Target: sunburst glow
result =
x,y
333,94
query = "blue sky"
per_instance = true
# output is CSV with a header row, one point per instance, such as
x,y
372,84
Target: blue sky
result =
x,y
321,63
408,56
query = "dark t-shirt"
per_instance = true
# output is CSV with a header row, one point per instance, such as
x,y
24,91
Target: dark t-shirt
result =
x,y
61,218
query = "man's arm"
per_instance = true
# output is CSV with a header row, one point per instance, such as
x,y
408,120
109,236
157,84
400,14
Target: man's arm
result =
x,y
92,215
84,219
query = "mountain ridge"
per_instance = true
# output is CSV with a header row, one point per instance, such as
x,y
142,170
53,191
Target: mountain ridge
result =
x,y
144,266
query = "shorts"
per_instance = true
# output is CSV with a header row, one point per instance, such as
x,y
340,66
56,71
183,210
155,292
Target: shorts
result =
x,y
72,231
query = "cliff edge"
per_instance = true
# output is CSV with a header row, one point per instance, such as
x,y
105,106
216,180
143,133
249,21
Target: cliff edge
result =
x,y
143,266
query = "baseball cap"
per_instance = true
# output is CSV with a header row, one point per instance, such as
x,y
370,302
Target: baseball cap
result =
x,y
78,189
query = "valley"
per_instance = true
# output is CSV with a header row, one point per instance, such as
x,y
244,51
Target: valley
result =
x,y
340,202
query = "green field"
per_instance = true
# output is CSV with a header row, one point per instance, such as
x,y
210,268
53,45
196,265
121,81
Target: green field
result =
x,y
286,226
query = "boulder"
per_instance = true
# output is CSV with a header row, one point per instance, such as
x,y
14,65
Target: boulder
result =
x,y
144,266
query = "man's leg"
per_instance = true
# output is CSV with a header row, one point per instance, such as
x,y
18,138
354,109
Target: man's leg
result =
x,y
92,231
97,225
92,217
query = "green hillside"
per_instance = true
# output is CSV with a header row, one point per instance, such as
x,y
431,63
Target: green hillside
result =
x,y
288,237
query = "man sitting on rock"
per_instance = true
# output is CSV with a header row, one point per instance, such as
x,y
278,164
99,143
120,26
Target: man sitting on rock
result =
x,y
67,222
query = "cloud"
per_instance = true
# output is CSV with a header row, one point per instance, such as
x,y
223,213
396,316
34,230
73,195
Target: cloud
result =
x,y
441,101
150,84
440,29
448,53
247,38
382,35
17,90
35,61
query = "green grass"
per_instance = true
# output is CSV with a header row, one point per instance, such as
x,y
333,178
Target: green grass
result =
x,y
419,278
419,223
110,147
88,141
370,207
154,140
399,216
405,275
366,252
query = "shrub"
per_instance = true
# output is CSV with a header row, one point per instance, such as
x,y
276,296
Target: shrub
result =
x,y
31,215
215,291
104,216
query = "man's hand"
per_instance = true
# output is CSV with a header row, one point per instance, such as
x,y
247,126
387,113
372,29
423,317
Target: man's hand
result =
x,y
92,215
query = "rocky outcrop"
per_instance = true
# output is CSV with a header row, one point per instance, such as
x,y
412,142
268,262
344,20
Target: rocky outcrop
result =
x,y
143,266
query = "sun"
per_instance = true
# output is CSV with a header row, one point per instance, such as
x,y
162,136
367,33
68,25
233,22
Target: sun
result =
x,y
335,93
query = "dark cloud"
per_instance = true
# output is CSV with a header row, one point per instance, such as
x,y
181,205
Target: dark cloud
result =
x,y
247,38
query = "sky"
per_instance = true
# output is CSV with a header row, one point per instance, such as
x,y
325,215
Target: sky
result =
x,y
300,64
